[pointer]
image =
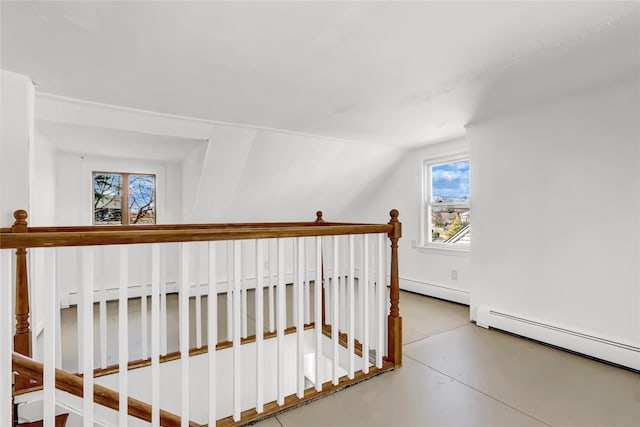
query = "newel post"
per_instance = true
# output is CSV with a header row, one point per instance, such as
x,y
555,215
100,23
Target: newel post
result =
x,y
22,337
320,220
394,321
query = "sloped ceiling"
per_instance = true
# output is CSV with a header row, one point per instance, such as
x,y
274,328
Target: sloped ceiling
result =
x,y
397,73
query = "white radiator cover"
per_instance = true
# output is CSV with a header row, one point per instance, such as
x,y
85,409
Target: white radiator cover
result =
x,y
449,293
584,342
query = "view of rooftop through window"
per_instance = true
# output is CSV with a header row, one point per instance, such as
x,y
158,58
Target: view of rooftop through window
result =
x,y
110,189
448,203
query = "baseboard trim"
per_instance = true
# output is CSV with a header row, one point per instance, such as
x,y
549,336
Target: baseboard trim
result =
x,y
590,344
438,291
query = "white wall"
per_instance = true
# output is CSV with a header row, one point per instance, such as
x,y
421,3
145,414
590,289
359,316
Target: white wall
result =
x,y
16,143
423,270
556,198
43,191
74,177
241,174
259,175
245,173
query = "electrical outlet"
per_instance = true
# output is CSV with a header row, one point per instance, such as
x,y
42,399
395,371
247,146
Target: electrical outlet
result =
x,y
454,274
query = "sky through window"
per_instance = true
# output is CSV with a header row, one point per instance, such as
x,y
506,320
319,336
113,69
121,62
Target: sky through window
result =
x,y
450,182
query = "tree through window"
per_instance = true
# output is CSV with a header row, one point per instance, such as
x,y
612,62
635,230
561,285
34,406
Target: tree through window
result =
x,y
109,191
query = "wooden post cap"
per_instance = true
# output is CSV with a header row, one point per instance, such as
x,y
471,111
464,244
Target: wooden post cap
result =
x,y
396,232
20,216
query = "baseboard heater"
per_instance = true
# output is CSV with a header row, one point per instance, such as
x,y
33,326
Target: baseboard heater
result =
x,y
607,349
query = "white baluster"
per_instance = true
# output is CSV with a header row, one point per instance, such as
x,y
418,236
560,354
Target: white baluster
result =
x,y
358,288
294,291
6,335
307,290
163,300
54,275
229,290
86,309
103,312
237,368
123,334
50,308
364,285
342,283
198,296
299,283
351,310
243,293
327,249
318,310
144,332
184,333
80,337
282,319
259,328
155,334
381,312
270,295
212,332
335,310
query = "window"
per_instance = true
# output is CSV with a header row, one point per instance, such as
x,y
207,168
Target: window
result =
x,y
110,189
447,214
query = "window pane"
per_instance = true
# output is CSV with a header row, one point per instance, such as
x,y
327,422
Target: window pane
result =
x,y
142,204
450,182
107,199
450,225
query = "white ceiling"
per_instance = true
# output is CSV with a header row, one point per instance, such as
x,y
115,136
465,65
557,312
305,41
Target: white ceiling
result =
x,y
401,73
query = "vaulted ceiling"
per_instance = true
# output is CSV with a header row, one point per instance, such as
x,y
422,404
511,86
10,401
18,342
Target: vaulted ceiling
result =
x,y
398,73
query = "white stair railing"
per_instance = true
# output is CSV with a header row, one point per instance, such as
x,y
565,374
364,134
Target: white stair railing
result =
x,y
325,308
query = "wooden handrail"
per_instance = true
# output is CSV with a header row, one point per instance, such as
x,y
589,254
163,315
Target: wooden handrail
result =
x,y
147,227
116,236
73,384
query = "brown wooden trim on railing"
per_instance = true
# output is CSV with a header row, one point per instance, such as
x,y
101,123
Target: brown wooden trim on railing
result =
x,y
22,337
394,321
101,395
250,415
343,339
59,421
118,237
175,355
205,226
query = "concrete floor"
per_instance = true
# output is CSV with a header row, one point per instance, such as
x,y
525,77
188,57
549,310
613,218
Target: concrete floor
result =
x,y
458,374
454,374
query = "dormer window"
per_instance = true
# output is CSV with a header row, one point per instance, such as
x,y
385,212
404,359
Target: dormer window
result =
x,y
111,188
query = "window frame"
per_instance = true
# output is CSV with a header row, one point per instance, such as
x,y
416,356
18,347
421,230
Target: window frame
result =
x,y
427,204
125,196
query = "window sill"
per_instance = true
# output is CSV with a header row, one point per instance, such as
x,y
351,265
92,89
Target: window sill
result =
x,y
444,250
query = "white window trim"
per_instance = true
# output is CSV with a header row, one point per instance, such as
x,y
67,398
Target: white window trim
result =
x,y
424,197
